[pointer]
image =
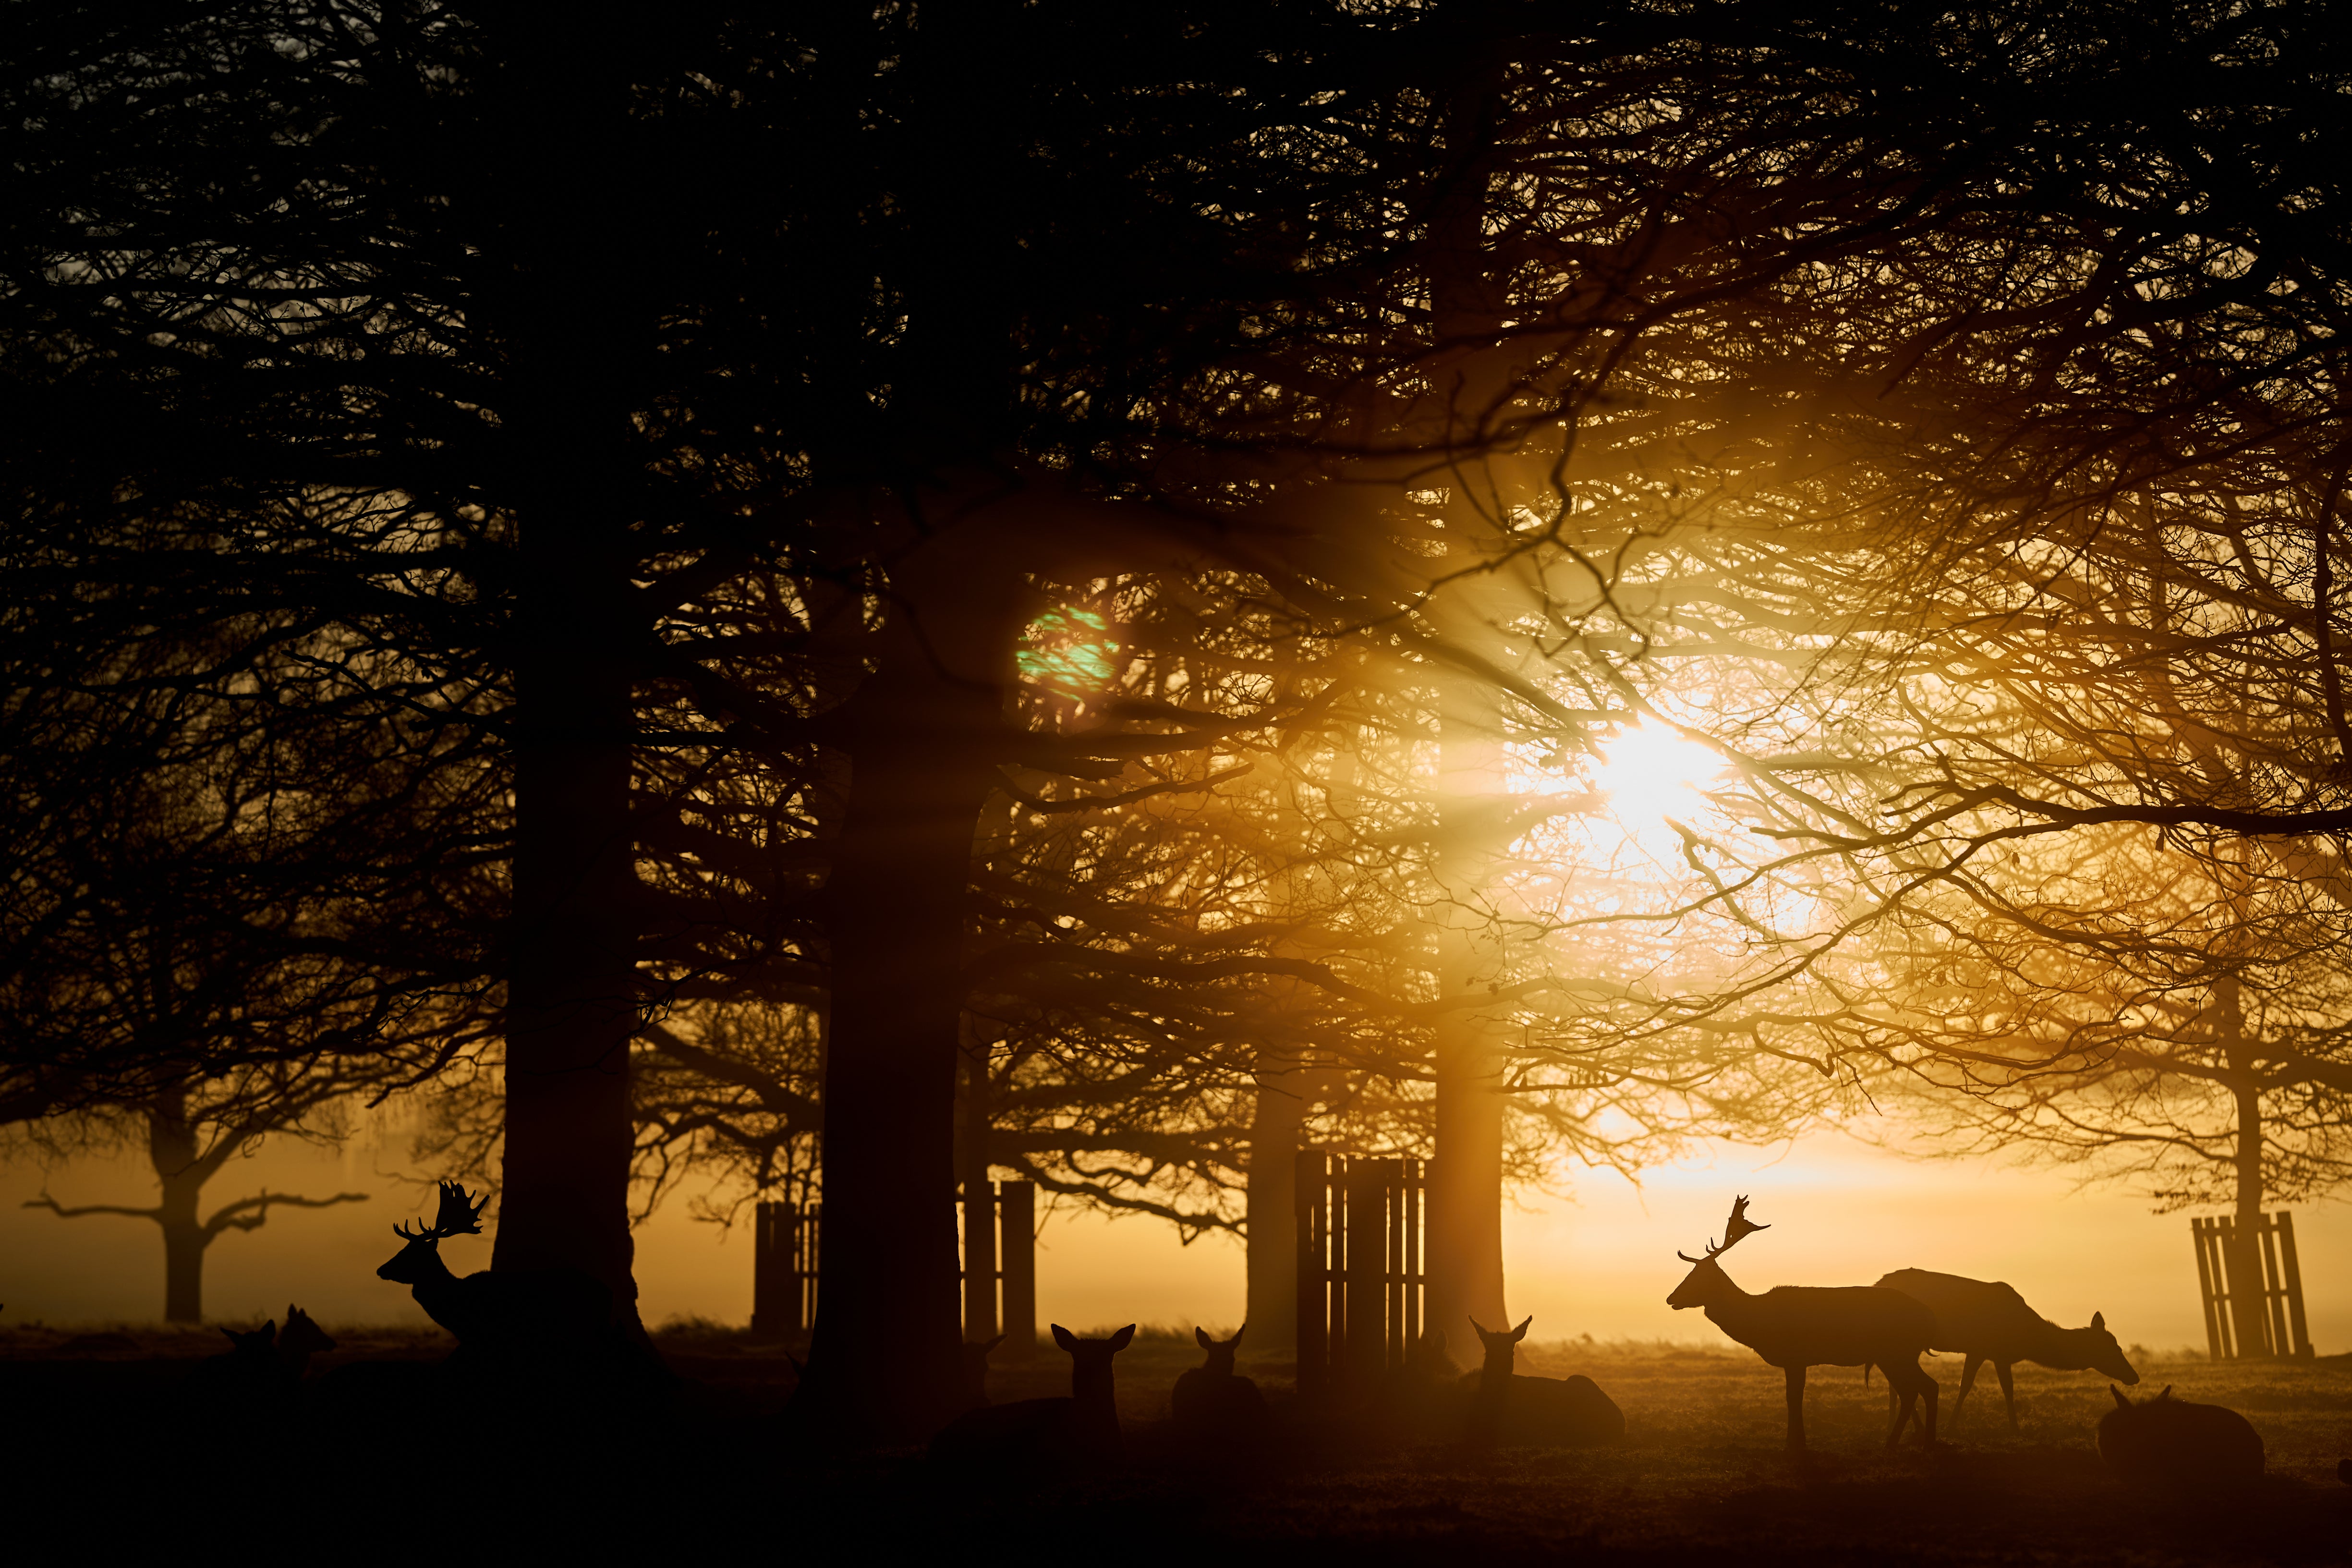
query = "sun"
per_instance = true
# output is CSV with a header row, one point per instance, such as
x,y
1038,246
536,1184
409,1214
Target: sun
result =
x,y
1650,771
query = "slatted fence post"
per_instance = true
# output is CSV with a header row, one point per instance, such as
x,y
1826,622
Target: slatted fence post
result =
x,y
2294,1267
1016,1214
768,1267
1370,1185
2209,1279
979,1260
1311,1200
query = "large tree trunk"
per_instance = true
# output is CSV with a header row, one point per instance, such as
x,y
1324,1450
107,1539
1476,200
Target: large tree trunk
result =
x,y
2249,1306
572,337
924,734
1465,1193
571,987
172,1150
1271,1199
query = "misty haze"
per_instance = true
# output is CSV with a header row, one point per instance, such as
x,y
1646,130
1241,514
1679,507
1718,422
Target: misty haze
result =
x,y
1307,781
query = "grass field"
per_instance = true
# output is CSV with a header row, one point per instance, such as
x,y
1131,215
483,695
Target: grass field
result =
x,y
1701,1477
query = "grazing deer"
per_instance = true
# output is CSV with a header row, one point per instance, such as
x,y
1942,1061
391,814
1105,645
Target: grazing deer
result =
x,y
2170,1442
1080,1432
1991,1323
1214,1401
1569,1412
1793,1327
542,1310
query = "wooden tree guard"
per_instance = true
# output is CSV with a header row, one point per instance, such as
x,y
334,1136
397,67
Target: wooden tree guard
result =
x,y
784,1238
783,1270
1361,1280
2251,1286
1001,1259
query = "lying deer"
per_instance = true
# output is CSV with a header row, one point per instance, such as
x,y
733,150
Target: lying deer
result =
x,y
1991,1322
2170,1442
1508,1405
1080,1432
550,1310
1212,1402
1793,1327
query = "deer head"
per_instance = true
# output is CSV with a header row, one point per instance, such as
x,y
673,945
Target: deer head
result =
x,y
1221,1351
303,1336
460,1215
2097,1349
1501,1344
1708,1282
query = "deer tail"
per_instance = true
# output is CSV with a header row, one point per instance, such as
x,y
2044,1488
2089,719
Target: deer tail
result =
x,y
1865,1374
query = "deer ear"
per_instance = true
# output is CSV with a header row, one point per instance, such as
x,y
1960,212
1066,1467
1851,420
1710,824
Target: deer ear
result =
x,y
1064,1338
1234,1343
1121,1339
1521,1331
993,1343
2121,1402
2099,1322
1200,1337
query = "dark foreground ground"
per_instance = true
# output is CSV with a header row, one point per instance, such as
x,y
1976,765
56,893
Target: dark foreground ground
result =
x,y
105,1441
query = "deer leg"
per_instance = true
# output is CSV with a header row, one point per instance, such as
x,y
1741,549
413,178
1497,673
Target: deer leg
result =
x,y
2008,1391
1928,1389
1898,1386
1967,1381
1796,1408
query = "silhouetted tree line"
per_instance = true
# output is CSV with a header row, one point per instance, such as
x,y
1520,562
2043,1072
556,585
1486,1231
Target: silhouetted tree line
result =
x,y
1003,571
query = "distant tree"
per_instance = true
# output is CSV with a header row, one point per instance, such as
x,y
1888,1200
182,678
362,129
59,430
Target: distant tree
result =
x,y
191,1131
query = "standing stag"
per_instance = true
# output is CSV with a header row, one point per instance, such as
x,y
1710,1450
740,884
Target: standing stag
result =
x,y
545,1312
1793,1327
1989,1321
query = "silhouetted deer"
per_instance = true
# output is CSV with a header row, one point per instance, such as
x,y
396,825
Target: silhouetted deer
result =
x,y
301,1340
544,1312
1212,1402
1793,1327
972,1391
1991,1323
2170,1442
1507,1406
1080,1432
261,1365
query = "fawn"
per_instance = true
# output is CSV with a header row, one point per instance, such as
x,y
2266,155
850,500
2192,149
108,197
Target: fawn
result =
x,y
1989,1321
2170,1442
1793,1327
1569,1412
1212,1401
1080,1432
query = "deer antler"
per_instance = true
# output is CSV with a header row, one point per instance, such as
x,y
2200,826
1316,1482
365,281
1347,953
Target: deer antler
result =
x,y
1738,1226
460,1216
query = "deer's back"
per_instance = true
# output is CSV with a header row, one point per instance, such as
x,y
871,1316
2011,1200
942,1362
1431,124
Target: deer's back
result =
x,y
1971,1315
1025,1434
2174,1442
1839,1325
1569,1412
